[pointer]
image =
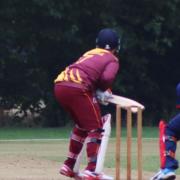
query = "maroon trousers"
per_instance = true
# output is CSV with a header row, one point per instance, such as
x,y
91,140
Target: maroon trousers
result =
x,y
81,105
85,112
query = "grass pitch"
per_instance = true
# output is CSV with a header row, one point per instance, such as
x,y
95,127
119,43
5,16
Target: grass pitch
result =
x,y
38,153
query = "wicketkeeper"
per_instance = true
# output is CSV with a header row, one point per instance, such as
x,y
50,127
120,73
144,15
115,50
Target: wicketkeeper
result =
x,y
75,90
169,135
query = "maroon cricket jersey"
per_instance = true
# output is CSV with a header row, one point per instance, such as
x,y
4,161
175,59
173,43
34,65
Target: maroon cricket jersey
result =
x,y
96,69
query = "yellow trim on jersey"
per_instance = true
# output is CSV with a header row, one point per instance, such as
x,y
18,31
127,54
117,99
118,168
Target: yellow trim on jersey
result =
x,y
60,77
65,74
73,78
91,53
78,76
98,51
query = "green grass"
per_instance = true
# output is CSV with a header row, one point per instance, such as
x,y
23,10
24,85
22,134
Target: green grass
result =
x,y
148,132
34,133
57,133
56,150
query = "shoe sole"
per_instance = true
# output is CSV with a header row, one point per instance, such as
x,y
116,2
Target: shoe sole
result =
x,y
89,178
82,178
77,177
173,177
64,173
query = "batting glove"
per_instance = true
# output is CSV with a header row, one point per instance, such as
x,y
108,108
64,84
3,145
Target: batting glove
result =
x,y
103,96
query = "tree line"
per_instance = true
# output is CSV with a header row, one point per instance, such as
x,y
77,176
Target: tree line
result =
x,y
38,38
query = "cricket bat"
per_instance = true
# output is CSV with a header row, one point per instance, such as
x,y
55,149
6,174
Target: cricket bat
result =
x,y
125,103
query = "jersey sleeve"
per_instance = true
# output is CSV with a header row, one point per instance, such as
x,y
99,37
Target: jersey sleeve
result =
x,y
108,76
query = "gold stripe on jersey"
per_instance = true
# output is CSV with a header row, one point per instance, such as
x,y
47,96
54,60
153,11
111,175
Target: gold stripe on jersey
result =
x,y
66,75
69,75
78,76
96,51
62,76
72,77
91,53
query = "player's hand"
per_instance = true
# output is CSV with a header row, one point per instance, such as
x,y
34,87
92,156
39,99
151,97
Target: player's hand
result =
x,y
103,96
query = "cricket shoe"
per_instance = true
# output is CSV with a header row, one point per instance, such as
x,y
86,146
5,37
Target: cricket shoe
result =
x,y
164,174
66,171
89,175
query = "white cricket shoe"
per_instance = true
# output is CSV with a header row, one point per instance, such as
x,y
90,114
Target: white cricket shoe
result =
x,y
88,175
164,174
66,171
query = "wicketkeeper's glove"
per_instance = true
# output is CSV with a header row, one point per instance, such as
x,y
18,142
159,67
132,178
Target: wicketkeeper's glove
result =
x,y
103,96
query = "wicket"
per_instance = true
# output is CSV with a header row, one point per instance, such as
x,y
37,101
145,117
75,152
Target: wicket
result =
x,y
129,141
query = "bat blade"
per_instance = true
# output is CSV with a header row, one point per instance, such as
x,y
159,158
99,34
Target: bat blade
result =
x,y
126,102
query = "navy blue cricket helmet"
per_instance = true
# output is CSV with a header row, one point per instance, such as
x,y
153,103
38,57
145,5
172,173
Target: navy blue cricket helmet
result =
x,y
108,39
178,96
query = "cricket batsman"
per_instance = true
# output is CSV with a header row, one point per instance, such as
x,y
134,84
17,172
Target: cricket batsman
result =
x,y
169,135
75,90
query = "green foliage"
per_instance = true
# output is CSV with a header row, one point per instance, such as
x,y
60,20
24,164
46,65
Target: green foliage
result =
x,y
34,133
40,37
